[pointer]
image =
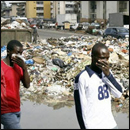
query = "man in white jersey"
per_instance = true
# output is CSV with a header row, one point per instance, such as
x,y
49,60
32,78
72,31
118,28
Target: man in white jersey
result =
x,y
92,92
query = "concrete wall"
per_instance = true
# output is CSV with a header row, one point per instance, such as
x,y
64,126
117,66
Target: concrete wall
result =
x,y
111,7
14,10
72,18
31,9
85,9
62,7
55,9
99,9
128,7
47,9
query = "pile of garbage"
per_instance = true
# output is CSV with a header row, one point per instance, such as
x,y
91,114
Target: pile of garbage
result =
x,y
54,63
92,30
17,24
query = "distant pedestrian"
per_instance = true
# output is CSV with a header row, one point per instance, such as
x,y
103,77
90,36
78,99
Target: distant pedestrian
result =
x,y
102,25
35,34
56,25
13,71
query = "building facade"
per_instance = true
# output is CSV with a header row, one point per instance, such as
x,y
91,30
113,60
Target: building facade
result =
x,y
17,8
101,9
33,9
42,9
87,10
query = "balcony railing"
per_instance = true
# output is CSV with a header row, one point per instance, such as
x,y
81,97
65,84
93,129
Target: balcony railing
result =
x,y
40,11
39,5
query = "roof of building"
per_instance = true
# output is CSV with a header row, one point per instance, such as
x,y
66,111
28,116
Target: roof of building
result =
x,y
17,2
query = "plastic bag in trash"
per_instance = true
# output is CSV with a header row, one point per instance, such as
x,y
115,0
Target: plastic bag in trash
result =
x,y
3,48
58,62
69,54
29,62
3,52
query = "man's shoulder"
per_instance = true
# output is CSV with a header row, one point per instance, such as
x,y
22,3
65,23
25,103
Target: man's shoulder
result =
x,y
2,63
83,74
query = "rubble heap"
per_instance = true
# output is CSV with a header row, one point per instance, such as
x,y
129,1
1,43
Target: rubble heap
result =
x,y
54,63
17,24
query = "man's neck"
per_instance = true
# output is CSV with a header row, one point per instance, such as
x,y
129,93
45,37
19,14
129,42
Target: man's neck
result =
x,y
8,62
96,69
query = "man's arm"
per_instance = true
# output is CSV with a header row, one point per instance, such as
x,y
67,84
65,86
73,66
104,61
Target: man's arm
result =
x,y
114,82
80,101
26,78
115,87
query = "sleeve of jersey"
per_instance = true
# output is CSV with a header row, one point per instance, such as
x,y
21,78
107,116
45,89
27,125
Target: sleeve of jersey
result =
x,y
80,101
115,88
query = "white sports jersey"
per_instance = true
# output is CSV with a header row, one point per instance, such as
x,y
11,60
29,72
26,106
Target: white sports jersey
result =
x,y
93,100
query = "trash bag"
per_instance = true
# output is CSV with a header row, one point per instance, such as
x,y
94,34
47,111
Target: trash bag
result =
x,y
58,62
3,52
29,62
3,48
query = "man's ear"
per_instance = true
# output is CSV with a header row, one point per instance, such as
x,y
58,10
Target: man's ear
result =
x,y
8,52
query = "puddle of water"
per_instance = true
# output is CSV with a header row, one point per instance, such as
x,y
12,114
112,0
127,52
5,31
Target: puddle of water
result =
x,y
122,120
58,116
41,116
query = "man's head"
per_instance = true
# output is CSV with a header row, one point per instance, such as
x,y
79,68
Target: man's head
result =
x,y
99,52
14,47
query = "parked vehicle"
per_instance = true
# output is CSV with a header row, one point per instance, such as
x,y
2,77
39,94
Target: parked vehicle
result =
x,y
61,19
6,17
96,25
33,24
117,32
77,26
39,23
119,20
85,25
24,19
12,18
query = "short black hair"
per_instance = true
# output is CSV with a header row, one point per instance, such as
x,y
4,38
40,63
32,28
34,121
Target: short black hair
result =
x,y
11,44
96,47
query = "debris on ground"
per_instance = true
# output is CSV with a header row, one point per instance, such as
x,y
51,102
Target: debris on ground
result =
x,y
53,64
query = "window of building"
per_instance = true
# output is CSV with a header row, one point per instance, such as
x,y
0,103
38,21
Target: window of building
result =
x,y
122,6
69,6
69,12
93,5
39,2
93,16
39,14
39,8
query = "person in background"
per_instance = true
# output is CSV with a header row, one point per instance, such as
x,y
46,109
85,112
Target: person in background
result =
x,y
13,71
102,25
92,92
56,25
35,34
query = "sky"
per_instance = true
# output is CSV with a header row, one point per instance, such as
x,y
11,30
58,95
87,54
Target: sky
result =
x,y
7,2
